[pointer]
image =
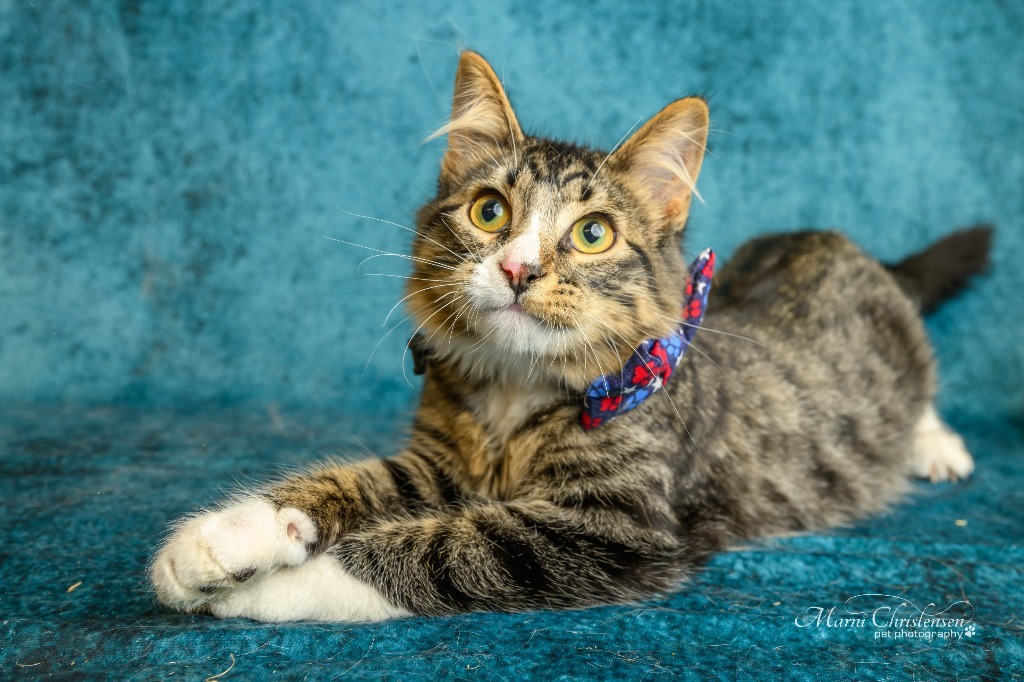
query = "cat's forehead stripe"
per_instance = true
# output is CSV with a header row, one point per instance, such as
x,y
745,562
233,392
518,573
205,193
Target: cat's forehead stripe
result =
x,y
578,175
559,163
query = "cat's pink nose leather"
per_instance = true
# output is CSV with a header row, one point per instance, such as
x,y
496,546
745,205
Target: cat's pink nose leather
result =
x,y
512,270
520,275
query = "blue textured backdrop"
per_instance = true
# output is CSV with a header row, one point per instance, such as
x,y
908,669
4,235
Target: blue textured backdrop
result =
x,y
168,171
169,168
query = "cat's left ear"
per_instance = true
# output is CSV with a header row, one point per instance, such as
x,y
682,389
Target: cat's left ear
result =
x,y
663,158
482,120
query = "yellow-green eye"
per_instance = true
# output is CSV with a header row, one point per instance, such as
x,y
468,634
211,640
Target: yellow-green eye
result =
x,y
490,213
592,235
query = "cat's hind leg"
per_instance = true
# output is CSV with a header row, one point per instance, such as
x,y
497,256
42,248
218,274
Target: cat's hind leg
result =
x,y
939,453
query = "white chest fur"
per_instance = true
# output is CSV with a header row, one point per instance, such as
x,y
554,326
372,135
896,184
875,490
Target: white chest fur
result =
x,y
502,409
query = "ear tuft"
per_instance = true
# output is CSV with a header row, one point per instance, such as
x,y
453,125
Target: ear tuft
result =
x,y
664,157
482,119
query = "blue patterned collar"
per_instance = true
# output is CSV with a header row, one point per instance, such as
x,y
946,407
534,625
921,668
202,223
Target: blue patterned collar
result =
x,y
650,367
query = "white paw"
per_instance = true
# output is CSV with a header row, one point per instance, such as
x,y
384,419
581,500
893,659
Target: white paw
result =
x,y
318,590
211,554
940,455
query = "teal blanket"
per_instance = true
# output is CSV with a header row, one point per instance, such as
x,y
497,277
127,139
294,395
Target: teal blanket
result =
x,y
173,319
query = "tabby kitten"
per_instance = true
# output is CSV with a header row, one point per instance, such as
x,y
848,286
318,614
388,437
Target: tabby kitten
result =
x,y
539,267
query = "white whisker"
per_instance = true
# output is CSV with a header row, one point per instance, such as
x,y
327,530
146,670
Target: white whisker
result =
x,y
415,279
407,229
386,335
497,166
587,340
664,389
444,322
381,252
709,329
398,255
418,291
475,255
609,155
451,330
540,354
708,357
454,300
480,341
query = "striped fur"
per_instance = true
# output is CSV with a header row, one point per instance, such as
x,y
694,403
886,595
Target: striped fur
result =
x,y
802,416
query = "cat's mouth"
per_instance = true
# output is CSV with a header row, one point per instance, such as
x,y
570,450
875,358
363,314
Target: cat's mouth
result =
x,y
515,320
512,328
515,311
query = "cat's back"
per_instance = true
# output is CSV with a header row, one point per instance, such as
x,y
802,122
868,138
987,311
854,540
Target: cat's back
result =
x,y
793,279
810,394
817,293
816,302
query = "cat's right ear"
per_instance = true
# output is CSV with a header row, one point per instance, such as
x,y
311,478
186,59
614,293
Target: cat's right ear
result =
x,y
483,122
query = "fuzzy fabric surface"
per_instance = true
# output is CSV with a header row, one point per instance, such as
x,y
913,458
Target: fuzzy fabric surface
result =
x,y
87,494
173,319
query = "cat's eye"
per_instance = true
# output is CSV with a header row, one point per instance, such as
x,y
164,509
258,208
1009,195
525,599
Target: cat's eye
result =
x,y
490,212
592,234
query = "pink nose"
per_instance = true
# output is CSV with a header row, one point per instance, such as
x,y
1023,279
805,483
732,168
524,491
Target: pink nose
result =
x,y
512,270
520,275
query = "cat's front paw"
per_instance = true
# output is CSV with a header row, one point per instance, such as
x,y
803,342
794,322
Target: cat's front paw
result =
x,y
209,555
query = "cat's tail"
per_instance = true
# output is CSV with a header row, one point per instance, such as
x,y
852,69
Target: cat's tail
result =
x,y
942,270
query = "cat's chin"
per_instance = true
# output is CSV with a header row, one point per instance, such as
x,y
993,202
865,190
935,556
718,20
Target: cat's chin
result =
x,y
507,341
511,345
514,329
515,313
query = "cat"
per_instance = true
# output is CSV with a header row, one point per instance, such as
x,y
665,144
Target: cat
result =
x,y
542,269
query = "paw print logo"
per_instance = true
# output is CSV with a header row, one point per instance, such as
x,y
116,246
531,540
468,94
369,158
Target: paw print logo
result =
x,y
970,630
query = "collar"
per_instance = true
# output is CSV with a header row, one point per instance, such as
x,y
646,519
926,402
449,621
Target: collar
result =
x,y
650,367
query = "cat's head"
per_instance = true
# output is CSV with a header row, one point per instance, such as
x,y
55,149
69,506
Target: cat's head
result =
x,y
548,260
